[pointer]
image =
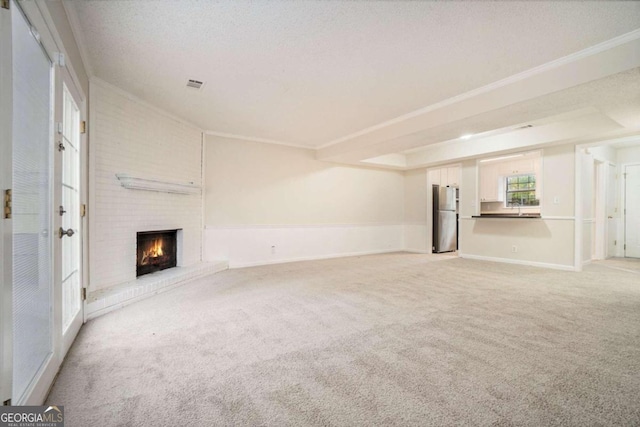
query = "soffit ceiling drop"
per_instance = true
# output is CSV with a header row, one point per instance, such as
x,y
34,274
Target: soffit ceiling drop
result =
x,y
311,73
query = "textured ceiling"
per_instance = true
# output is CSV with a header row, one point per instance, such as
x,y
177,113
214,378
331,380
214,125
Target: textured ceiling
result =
x,y
307,72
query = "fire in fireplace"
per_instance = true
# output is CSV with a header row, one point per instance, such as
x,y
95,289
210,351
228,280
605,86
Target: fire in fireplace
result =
x,y
156,250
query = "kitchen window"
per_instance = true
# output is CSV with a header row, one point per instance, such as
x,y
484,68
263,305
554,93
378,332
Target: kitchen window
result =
x,y
521,190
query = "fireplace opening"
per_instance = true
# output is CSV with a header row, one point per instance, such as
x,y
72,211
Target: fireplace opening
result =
x,y
156,250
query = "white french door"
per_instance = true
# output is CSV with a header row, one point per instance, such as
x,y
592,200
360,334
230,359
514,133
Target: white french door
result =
x,y
33,334
42,168
70,230
6,237
632,211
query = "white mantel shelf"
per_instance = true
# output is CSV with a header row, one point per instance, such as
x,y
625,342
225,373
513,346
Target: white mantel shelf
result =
x,y
135,183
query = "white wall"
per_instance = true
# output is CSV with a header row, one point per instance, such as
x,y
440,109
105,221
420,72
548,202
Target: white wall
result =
x,y
131,137
628,155
587,175
417,237
269,203
545,242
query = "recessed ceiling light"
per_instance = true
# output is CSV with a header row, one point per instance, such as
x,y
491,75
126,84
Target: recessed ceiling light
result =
x,y
467,136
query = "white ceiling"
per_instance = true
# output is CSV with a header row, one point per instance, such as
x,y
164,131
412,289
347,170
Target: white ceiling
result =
x,y
312,73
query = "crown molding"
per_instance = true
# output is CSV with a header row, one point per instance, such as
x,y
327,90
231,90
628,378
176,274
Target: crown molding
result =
x,y
254,139
590,51
78,35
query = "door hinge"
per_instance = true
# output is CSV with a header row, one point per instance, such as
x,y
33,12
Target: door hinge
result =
x,y
7,204
6,4
83,210
615,243
6,402
60,59
83,126
84,294
625,247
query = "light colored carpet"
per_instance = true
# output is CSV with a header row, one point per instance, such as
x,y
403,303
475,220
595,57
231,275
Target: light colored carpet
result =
x,y
398,339
627,264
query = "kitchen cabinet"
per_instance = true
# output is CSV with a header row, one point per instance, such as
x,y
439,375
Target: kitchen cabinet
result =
x,y
521,166
446,176
453,176
491,185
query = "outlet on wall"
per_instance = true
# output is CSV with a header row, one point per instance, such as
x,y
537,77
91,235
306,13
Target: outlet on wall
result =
x,y
273,249
556,200
514,248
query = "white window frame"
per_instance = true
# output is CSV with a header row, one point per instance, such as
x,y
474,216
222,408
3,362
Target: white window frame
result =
x,y
507,202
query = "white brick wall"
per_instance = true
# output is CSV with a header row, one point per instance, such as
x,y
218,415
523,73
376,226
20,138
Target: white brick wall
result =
x,y
130,137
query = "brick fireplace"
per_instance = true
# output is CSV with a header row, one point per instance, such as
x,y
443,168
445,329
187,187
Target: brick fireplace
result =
x,y
145,175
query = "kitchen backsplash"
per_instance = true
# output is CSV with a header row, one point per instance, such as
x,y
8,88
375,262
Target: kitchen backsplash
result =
x,y
499,207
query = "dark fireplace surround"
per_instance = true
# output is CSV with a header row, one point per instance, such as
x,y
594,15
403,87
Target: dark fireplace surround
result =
x,y
155,251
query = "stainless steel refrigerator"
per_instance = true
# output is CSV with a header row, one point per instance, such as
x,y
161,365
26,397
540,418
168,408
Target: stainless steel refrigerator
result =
x,y
445,219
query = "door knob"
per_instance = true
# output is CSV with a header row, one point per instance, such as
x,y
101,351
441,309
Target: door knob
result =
x,y
610,217
62,232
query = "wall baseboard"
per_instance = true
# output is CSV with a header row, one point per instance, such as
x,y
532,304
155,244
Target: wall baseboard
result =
x,y
311,258
416,251
520,262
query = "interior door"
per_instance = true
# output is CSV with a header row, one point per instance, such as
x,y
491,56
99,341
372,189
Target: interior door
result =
x,y
611,210
70,229
34,364
632,211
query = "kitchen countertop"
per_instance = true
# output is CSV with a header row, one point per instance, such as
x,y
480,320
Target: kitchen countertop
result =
x,y
508,215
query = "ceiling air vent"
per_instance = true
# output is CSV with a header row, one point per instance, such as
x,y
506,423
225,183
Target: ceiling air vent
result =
x,y
195,84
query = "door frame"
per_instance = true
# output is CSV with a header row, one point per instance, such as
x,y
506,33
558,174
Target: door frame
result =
x,y
600,208
612,211
623,202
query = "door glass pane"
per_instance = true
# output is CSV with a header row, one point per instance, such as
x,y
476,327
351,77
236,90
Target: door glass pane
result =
x,y
32,236
71,203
